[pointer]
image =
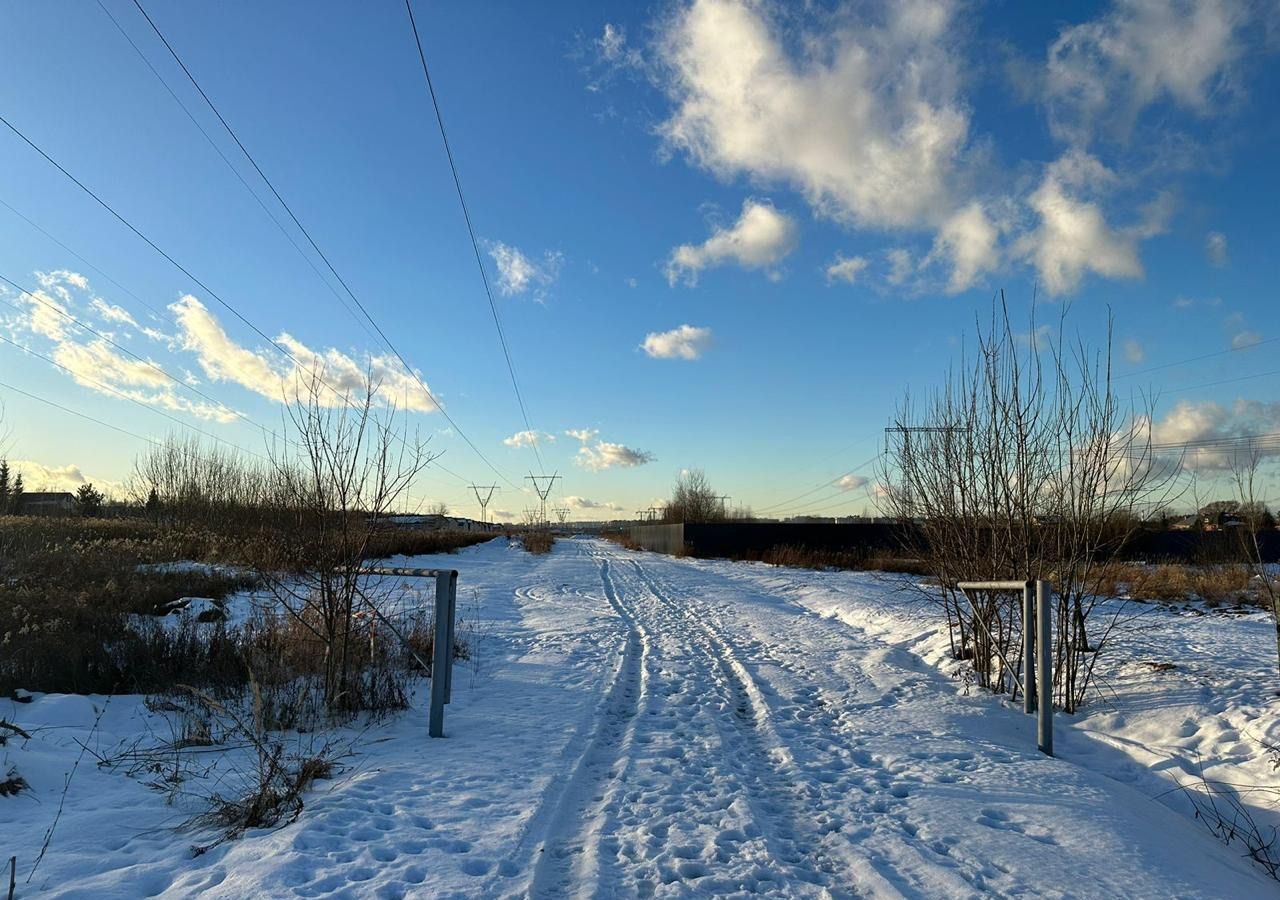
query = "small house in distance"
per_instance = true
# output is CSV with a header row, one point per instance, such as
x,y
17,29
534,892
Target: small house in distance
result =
x,y
48,503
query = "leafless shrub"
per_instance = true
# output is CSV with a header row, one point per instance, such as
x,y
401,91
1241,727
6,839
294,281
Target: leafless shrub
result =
x,y
537,542
1025,464
1220,807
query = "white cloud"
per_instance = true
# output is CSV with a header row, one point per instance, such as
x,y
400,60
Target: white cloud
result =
x,y
1215,247
900,265
605,455
1102,74
1073,236
518,274
529,439
1134,352
1211,421
41,477
968,239
1246,338
761,238
845,268
584,435
684,342
574,502
108,312
851,482
222,359
862,116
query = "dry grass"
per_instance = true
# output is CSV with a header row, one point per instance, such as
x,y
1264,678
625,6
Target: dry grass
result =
x,y
1176,582
537,542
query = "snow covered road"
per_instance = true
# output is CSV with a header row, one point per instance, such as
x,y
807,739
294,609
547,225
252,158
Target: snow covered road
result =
x,y
649,726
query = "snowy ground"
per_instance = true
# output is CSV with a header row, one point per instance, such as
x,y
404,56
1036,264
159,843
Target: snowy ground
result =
x,y
646,726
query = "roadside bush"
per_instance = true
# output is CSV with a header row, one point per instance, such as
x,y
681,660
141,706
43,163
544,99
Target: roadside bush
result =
x,y
537,542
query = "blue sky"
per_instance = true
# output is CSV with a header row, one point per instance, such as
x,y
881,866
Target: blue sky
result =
x,y
721,235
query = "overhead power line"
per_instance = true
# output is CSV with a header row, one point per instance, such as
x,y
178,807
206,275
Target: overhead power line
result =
x,y
217,297
413,373
466,215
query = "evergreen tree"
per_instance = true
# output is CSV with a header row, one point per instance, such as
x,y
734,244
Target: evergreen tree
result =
x,y
4,486
89,500
15,496
153,504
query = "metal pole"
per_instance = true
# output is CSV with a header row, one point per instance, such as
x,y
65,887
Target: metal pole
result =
x,y
453,621
1044,677
1028,647
440,654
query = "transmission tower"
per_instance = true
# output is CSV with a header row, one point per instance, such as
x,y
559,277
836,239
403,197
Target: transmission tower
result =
x,y
562,513
484,501
542,485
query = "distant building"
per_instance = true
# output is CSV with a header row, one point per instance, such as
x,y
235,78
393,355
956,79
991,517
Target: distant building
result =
x,y
48,503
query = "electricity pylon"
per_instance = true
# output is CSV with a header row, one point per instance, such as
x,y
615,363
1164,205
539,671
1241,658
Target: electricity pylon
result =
x,y
562,513
484,501
543,492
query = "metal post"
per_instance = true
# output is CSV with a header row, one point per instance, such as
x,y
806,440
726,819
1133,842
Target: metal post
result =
x,y
1029,647
1044,677
453,622
441,655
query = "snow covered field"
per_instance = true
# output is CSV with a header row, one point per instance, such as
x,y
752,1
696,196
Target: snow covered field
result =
x,y
638,725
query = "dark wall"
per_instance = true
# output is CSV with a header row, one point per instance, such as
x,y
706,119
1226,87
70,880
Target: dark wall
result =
x,y
753,538
750,539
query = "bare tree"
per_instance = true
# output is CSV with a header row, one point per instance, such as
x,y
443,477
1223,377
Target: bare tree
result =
x,y
1024,464
1244,471
338,480
693,500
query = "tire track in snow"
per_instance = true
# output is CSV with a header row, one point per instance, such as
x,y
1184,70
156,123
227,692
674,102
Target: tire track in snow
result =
x,y
774,783
568,860
829,772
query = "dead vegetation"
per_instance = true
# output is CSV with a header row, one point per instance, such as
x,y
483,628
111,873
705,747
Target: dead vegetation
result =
x,y
538,541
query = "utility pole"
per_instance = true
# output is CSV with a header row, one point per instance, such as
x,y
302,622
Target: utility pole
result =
x,y
484,501
562,513
722,500
542,485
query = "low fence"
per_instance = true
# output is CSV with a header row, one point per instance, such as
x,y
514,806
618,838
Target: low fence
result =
x,y
750,539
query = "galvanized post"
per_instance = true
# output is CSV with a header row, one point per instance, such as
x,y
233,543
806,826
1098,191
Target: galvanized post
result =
x,y
1029,647
441,654
453,622
1044,677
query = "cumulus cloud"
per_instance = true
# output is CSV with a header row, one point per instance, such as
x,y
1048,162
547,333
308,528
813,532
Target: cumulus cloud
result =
x,y
684,342
861,116
38,476
585,435
586,503
1215,248
1073,236
518,274
605,455
529,439
221,359
845,268
851,482
1134,352
1102,74
1212,421
968,240
760,238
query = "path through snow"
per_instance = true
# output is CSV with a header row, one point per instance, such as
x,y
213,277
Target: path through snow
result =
x,y
650,726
